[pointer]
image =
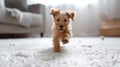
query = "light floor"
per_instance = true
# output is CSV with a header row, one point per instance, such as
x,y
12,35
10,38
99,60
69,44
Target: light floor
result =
x,y
79,52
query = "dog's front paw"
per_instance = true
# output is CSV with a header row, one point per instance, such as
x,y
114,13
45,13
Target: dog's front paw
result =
x,y
56,48
64,41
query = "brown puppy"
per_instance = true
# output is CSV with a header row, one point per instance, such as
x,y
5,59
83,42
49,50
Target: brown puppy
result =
x,y
62,29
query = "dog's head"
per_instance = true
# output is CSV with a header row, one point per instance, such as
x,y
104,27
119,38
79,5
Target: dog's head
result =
x,y
62,19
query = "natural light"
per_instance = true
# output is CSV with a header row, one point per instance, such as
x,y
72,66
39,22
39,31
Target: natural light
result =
x,y
57,2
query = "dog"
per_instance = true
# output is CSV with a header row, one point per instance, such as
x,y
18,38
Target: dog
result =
x,y
61,28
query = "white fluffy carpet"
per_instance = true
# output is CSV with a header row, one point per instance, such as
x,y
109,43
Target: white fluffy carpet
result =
x,y
79,52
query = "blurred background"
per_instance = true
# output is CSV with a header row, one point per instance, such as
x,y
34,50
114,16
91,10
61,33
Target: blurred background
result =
x,y
93,17
88,14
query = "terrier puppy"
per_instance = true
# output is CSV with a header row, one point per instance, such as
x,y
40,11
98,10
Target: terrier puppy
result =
x,y
62,28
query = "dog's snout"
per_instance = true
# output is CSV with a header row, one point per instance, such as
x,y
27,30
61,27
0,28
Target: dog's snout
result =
x,y
61,26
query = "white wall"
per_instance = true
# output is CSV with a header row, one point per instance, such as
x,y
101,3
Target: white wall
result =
x,y
87,22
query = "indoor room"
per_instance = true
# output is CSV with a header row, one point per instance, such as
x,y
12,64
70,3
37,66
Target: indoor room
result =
x,y
59,33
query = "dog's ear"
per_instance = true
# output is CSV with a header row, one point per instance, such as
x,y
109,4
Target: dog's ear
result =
x,y
54,12
70,14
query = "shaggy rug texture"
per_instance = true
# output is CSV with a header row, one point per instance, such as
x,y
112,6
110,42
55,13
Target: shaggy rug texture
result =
x,y
79,52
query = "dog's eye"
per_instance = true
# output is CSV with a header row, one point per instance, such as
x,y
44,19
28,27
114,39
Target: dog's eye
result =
x,y
65,20
58,20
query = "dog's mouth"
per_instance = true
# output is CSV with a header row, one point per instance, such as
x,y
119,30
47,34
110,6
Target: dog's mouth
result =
x,y
61,29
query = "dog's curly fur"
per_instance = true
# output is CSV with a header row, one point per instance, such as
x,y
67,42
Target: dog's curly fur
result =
x,y
62,28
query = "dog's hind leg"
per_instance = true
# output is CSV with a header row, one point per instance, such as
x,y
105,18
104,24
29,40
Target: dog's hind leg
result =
x,y
56,43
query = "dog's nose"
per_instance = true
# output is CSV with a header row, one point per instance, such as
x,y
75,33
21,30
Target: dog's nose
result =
x,y
61,26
